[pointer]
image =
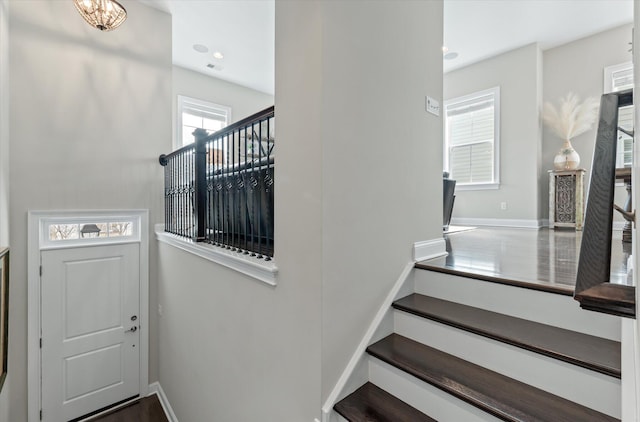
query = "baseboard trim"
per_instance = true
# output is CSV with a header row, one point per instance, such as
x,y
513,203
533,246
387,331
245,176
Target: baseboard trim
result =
x,y
364,343
498,222
156,388
109,410
428,249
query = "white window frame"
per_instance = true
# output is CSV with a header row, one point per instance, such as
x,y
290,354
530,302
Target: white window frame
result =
x,y
609,73
185,102
452,103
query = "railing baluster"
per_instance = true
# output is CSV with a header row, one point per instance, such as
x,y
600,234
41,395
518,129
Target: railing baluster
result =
x,y
220,191
253,218
260,190
245,191
268,188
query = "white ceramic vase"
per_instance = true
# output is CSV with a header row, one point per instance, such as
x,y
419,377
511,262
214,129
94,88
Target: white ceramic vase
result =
x,y
567,158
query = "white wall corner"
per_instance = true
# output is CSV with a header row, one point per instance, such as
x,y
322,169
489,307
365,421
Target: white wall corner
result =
x,y
332,399
156,388
428,249
629,357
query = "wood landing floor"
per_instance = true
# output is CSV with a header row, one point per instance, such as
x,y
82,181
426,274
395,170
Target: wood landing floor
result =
x,y
540,259
147,409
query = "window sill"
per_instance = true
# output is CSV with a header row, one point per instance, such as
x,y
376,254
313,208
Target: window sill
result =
x,y
265,271
478,186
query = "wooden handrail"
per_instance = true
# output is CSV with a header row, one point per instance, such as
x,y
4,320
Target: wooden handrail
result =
x,y
594,266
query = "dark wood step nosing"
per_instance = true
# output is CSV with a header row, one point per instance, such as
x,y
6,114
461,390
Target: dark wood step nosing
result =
x,y
518,395
359,405
555,354
609,298
547,288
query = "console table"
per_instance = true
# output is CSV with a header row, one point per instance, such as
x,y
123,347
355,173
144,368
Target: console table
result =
x,y
566,198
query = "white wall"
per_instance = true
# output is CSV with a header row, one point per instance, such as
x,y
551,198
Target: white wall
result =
x,y
356,185
4,165
381,159
90,114
232,348
4,122
578,67
243,101
527,149
516,73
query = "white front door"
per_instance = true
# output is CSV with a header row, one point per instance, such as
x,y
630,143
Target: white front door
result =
x,y
90,335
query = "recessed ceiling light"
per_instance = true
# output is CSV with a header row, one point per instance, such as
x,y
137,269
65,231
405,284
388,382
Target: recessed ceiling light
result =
x,y
444,49
450,56
218,55
200,48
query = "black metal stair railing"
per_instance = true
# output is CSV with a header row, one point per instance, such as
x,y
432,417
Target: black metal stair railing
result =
x,y
220,190
593,289
179,168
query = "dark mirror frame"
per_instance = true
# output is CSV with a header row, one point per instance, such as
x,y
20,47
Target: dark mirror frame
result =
x,y
4,313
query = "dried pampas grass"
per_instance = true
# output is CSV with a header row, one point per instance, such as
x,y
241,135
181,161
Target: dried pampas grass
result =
x,y
572,118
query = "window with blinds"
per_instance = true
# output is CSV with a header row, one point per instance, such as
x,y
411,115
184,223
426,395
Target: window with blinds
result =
x,y
471,138
198,114
619,78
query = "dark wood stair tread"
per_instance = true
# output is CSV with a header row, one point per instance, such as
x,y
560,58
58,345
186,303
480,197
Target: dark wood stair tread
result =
x,y
370,403
594,353
437,265
609,298
503,397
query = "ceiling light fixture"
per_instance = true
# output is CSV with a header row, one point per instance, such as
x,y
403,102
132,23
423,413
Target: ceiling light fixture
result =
x,y
105,15
218,55
444,49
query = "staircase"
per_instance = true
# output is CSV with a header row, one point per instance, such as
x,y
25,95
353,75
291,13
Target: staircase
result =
x,y
465,350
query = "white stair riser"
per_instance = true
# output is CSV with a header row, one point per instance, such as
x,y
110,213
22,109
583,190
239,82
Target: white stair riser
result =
x,y
423,396
589,388
547,308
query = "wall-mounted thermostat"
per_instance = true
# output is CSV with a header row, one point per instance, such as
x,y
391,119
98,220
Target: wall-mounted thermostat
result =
x,y
432,106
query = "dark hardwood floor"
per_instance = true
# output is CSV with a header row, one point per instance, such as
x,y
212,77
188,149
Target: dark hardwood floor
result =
x,y
541,259
147,409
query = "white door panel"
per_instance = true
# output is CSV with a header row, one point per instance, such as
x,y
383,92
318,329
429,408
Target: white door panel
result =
x,y
90,305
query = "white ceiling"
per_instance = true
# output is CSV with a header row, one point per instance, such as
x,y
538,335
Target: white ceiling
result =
x,y
478,29
243,30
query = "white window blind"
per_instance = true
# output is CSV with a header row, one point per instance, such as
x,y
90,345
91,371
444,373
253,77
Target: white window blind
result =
x,y
471,138
618,78
198,114
625,142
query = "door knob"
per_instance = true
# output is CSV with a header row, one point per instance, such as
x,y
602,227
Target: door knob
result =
x,y
132,329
